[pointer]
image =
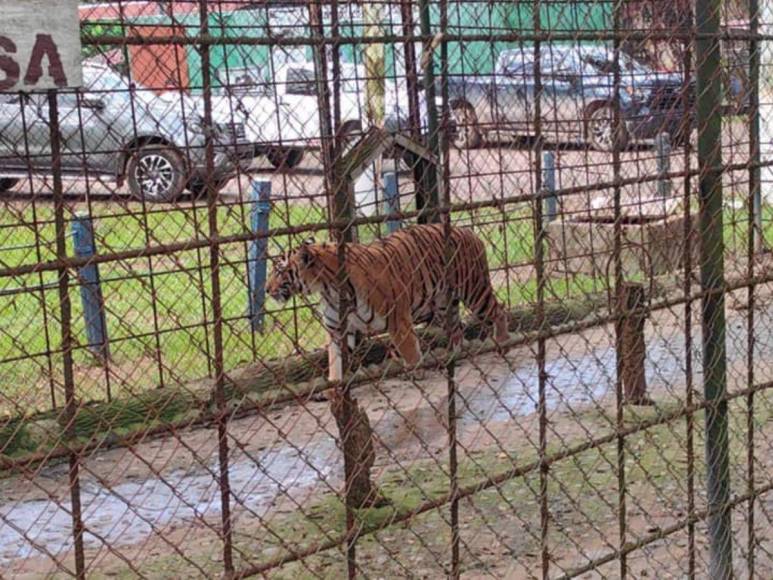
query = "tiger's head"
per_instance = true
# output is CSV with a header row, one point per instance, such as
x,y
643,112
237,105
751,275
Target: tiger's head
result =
x,y
292,274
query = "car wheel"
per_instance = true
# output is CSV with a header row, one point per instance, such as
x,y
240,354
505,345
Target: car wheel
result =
x,y
466,133
285,158
156,173
7,183
600,130
198,186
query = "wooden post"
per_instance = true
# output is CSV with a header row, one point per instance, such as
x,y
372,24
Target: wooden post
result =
x,y
631,305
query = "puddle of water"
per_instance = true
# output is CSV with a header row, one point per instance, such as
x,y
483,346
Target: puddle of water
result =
x,y
582,380
187,494
573,381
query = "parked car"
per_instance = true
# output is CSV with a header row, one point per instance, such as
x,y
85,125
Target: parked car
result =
x,y
112,127
577,98
281,117
267,112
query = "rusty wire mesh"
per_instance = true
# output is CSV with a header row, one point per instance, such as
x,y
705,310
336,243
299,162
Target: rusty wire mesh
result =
x,y
161,416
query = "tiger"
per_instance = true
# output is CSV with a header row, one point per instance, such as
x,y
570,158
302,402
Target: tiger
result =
x,y
395,283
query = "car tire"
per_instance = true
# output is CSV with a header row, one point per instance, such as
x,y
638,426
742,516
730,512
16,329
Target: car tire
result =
x,y
285,158
156,173
599,129
466,133
7,183
198,186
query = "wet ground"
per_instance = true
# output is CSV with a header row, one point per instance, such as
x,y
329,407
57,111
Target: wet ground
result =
x,y
288,457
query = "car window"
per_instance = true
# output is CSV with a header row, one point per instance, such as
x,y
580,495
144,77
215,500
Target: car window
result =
x,y
517,62
604,63
300,81
556,62
240,81
104,80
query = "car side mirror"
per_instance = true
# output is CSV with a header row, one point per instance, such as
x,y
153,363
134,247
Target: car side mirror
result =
x,y
93,104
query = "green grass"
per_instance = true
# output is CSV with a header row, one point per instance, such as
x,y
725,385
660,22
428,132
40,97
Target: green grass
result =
x,y
156,323
180,293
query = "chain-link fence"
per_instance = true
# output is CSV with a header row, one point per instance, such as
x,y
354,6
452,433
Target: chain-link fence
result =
x,y
191,386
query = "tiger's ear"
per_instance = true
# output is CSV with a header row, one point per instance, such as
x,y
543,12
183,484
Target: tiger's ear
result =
x,y
309,241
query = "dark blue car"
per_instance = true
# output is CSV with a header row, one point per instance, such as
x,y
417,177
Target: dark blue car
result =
x,y
577,99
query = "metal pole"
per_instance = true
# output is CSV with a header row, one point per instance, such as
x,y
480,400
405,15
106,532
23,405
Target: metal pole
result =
x,y
392,199
91,291
261,208
761,22
712,283
71,401
549,185
430,177
217,306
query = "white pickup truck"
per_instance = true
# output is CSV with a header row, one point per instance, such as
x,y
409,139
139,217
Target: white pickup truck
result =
x,y
282,118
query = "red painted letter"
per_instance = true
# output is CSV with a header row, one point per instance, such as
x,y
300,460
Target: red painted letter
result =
x,y
45,47
8,65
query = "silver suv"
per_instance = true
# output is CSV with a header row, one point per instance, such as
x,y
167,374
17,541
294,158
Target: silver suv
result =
x,y
112,127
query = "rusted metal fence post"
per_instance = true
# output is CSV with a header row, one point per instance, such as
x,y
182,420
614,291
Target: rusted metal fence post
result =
x,y
632,306
354,429
223,477
65,306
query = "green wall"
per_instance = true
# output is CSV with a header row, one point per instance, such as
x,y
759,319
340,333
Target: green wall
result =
x,y
470,57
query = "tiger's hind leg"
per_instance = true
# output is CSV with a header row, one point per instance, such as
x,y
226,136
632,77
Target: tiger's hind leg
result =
x,y
501,333
405,341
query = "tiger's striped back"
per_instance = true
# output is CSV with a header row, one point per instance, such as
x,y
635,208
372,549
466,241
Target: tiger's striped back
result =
x,y
396,282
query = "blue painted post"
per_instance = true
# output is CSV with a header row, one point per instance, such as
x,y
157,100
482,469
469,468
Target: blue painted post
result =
x,y
549,185
256,267
392,199
91,291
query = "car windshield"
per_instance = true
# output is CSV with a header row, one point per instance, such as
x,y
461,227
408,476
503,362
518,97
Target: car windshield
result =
x,y
300,81
244,80
104,80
